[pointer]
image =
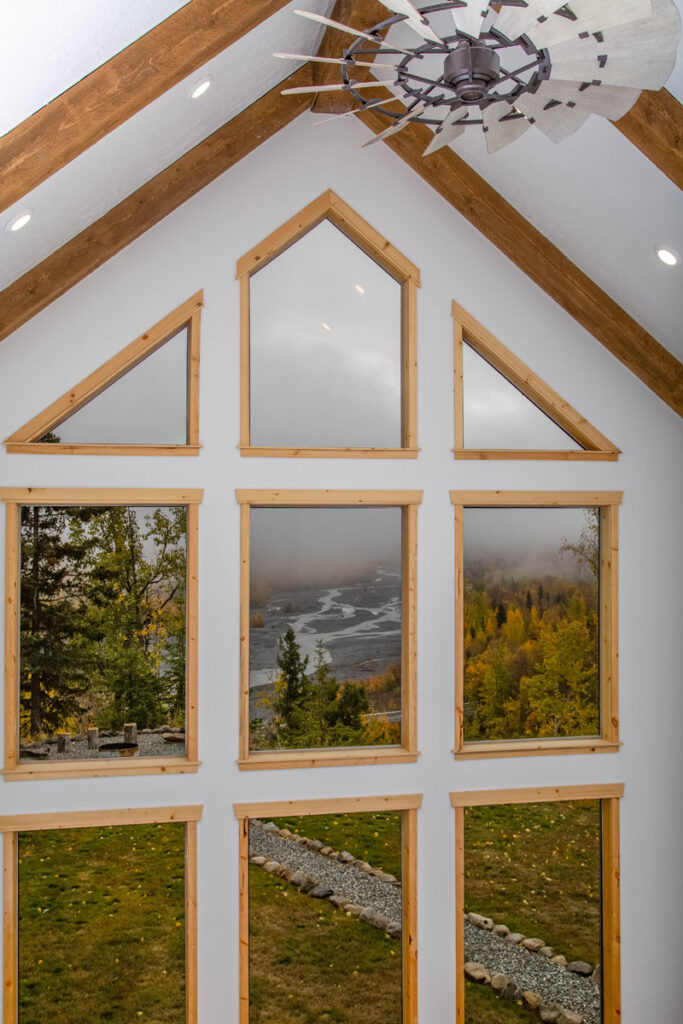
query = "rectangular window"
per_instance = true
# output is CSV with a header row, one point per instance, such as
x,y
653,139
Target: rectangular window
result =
x,y
326,299
536,615
328,910
328,627
101,632
100,916
537,904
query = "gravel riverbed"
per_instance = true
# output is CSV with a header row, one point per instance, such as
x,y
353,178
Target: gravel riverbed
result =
x,y
554,983
344,879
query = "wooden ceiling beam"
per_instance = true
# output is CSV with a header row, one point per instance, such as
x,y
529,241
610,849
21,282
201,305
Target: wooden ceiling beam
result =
x,y
655,125
538,258
140,211
104,99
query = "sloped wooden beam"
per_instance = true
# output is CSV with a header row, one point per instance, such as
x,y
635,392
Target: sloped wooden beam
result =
x,y
540,260
655,126
149,204
64,128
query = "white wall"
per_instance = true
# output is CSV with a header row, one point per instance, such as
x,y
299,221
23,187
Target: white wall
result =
x,y
196,247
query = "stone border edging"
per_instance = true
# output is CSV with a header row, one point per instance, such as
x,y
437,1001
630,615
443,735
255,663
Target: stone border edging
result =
x,y
504,987
534,945
310,886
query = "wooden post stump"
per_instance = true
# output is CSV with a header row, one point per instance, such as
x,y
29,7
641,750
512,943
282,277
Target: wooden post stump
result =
x,y
93,739
130,732
63,743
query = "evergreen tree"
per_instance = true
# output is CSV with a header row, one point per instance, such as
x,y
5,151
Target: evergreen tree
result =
x,y
291,703
500,615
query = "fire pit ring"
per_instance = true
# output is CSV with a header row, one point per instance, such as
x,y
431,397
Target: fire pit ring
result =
x,y
118,749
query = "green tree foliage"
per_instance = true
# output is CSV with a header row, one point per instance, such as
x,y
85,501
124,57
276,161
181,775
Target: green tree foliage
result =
x,y
312,711
102,616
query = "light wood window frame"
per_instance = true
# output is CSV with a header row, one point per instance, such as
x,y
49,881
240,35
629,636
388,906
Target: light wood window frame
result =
x,y
408,805
608,741
16,497
609,795
406,752
12,825
330,207
594,445
26,440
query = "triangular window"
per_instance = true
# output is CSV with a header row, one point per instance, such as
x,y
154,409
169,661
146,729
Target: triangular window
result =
x,y
142,401
504,410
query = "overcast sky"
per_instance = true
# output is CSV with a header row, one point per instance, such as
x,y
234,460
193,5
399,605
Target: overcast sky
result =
x,y
148,405
322,546
497,415
325,355
528,540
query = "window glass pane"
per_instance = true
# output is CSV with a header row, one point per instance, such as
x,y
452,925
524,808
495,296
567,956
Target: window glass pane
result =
x,y
531,643
148,405
102,632
311,958
325,347
325,627
533,872
497,415
102,925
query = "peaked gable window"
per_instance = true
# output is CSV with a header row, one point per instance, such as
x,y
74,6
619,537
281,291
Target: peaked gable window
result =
x,y
328,340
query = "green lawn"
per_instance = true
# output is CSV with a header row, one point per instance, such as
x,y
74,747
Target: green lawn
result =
x,y
483,1006
373,837
102,925
312,964
536,868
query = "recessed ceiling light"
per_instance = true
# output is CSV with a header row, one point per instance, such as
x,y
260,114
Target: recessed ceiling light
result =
x,y
19,222
326,326
667,255
200,88
360,289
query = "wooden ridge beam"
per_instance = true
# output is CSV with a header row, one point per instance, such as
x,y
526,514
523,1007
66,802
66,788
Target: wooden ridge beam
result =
x,y
144,208
655,125
104,99
538,258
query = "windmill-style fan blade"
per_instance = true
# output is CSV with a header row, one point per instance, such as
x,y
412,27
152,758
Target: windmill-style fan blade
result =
x,y
413,18
397,126
556,120
332,88
469,19
358,110
501,127
515,21
611,101
641,54
452,126
591,16
322,20
335,60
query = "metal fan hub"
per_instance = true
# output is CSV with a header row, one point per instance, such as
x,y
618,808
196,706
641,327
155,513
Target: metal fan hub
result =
x,y
471,69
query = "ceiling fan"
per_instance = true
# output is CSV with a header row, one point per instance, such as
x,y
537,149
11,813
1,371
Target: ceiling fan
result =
x,y
505,65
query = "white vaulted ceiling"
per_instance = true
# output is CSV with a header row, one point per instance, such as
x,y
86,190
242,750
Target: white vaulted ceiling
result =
x,y
595,196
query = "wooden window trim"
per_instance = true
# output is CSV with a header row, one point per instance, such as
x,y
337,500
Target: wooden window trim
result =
x,y
330,207
25,441
608,740
12,825
407,752
467,330
408,806
609,796
13,498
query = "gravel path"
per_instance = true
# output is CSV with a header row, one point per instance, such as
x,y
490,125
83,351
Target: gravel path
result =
x,y
344,879
554,983
150,745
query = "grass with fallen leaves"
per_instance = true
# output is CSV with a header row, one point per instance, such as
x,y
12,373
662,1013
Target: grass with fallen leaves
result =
x,y
312,964
536,868
102,925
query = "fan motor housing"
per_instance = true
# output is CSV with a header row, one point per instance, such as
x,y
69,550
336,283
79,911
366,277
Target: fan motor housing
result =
x,y
472,68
